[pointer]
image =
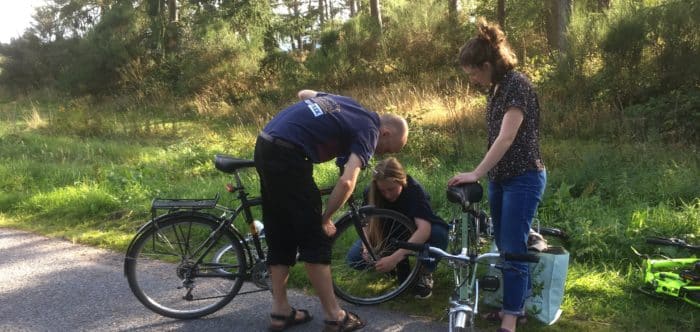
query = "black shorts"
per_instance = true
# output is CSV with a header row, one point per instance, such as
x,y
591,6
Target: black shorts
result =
x,y
291,206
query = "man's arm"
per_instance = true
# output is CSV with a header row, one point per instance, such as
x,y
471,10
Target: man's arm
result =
x,y
341,192
306,94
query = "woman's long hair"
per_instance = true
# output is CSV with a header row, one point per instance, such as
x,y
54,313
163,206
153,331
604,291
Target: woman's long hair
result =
x,y
489,45
387,169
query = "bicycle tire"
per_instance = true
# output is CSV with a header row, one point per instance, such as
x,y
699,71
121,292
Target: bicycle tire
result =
x,y
364,285
163,255
472,243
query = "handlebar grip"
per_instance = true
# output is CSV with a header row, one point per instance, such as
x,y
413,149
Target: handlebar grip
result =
x,y
410,246
553,232
532,258
663,241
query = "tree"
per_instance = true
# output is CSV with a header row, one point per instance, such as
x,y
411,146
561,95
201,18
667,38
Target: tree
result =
x,y
375,12
501,13
558,15
354,7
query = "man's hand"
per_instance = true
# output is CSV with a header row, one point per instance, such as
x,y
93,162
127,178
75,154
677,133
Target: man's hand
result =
x,y
328,227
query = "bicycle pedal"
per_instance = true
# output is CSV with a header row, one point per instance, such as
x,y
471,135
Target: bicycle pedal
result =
x,y
489,283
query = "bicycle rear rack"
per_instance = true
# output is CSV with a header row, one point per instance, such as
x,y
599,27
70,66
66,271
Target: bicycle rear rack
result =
x,y
183,204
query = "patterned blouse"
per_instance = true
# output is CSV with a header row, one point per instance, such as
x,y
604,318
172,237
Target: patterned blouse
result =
x,y
515,90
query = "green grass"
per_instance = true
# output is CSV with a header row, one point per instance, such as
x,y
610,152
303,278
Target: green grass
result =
x,y
95,187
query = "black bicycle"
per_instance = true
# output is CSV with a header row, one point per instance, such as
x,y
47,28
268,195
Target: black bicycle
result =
x,y
190,259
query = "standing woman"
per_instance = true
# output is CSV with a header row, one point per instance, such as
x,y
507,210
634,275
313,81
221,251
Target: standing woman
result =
x,y
516,174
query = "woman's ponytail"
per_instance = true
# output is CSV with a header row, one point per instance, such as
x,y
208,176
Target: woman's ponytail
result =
x,y
489,45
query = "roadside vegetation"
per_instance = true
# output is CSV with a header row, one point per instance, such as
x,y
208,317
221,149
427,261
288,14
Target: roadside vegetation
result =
x,y
86,143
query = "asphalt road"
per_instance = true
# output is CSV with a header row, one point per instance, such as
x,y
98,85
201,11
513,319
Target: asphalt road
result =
x,y
54,285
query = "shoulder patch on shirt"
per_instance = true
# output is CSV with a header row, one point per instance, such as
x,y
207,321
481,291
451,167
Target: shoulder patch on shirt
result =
x,y
315,109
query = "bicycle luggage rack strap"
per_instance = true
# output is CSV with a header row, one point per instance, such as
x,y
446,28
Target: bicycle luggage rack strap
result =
x,y
183,204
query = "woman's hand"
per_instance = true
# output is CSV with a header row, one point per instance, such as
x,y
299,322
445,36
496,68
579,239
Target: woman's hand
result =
x,y
469,177
328,227
388,263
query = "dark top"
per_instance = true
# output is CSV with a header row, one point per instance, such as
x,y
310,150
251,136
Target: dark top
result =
x,y
515,90
328,126
413,202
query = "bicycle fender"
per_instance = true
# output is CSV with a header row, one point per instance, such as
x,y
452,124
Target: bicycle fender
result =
x,y
151,223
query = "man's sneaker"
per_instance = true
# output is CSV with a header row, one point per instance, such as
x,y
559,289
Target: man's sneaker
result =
x,y
424,286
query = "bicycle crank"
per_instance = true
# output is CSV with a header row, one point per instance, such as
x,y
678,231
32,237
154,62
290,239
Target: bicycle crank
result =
x,y
260,276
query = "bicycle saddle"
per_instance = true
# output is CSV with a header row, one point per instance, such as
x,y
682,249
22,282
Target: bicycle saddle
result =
x,y
229,164
465,194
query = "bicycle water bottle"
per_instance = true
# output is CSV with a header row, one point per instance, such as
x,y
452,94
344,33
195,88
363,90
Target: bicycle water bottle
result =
x,y
259,227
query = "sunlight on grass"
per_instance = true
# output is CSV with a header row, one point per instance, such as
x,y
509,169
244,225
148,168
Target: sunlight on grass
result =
x,y
83,200
585,280
35,120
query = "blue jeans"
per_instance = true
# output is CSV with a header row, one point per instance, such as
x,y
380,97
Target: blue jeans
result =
x,y
438,238
513,204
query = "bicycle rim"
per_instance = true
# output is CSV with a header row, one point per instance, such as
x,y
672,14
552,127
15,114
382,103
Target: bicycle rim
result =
x,y
163,274
358,282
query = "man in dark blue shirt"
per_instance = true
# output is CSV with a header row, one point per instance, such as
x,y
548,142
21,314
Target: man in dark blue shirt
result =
x,y
317,129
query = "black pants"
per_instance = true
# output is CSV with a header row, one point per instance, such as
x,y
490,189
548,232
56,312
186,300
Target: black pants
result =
x,y
291,206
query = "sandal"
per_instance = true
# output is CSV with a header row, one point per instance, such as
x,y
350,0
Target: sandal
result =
x,y
290,320
495,316
351,322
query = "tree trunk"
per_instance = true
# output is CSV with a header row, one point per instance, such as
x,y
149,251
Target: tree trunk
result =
x,y
172,30
501,13
172,11
559,13
452,8
375,12
329,10
352,5
603,5
321,12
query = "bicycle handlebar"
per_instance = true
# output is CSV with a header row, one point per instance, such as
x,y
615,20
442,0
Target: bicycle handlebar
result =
x,y
671,242
552,232
531,258
463,258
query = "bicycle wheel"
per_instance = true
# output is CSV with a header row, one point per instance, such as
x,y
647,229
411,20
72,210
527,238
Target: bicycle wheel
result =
x,y
180,268
361,283
472,237
460,238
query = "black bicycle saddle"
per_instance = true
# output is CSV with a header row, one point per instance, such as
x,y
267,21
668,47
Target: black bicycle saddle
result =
x,y
465,193
229,164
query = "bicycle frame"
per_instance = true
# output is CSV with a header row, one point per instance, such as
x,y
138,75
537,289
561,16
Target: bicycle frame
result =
x,y
664,276
464,271
461,308
465,300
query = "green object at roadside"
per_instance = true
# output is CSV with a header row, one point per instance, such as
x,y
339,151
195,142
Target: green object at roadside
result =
x,y
676,277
